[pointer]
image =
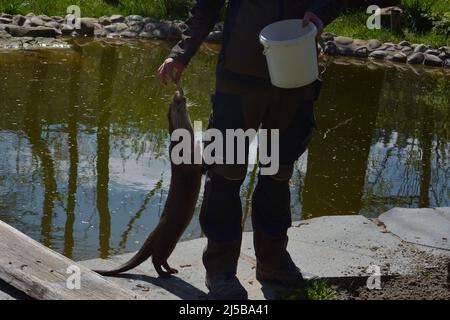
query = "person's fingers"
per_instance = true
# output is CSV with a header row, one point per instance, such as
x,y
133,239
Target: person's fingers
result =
x,y
306,19
163,75
178,73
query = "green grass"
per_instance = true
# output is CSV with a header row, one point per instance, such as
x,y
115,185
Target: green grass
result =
x,y
316,290
424,21
96,8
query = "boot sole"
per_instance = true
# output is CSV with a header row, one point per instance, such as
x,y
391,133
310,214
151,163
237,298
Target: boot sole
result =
x,y
274,280
212,296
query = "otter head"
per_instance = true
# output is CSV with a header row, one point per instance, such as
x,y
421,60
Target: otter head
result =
x,y
178,116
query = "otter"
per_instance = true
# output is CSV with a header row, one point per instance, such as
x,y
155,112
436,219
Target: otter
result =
x,y
180,204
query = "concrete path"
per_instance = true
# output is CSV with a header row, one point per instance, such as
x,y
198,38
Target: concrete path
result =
x,y
429,229
340,247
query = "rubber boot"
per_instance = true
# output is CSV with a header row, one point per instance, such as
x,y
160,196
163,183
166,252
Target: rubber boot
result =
x,y
220,260
273,262
220,218
271,218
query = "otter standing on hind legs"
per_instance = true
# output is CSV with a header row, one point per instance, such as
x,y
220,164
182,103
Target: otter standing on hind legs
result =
x,y
180,204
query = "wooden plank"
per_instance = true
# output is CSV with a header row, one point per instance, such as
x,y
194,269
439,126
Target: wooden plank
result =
x,y
42,273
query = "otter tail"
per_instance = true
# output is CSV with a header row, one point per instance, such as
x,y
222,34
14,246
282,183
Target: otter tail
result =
x,y
142,255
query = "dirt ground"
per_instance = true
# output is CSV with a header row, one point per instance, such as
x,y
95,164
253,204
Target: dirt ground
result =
x,y
430,283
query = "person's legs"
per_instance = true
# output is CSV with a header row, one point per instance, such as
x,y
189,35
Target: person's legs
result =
x,y
221,212
271,214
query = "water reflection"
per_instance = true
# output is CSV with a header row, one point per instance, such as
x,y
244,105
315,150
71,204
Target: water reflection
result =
x,y
337,160
72,129
33,129
83,138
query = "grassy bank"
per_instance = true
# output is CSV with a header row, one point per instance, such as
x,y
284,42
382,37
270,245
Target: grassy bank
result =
x,y
423,21
96,8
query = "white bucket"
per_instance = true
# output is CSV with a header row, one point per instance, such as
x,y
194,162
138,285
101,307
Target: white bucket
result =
x,y
291,53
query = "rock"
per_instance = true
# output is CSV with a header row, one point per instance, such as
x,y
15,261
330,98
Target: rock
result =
x,y
52,24
146,35
345,51
149,27
399,57
100,33
447,63
113,35
174,32
432,60
89,20
150,20
327,36
444,55
104,21
359,43
420,48
416,58
44,18
136,26
330,48
111,28
19,20
37,22
6,15
378,54
343,41
29,15
87,28
407,50
362,51
44,32
67,29
374,44
134,18
215,37
5,20
4,34
404,43
444,49
433,52
120,27
117,18
160,34
219,27
128,34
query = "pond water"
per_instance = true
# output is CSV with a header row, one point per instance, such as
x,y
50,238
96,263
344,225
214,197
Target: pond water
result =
x,y
83,141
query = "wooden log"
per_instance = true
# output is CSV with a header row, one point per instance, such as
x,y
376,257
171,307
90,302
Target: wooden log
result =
x,y
41,273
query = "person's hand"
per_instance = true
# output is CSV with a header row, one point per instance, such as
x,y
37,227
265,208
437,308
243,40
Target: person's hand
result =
x,y
311,17
171,69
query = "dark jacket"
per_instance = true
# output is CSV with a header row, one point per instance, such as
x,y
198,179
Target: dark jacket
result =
x,y
205,15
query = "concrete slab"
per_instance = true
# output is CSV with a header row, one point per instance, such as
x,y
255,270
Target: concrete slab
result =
x,y
424,227
327,247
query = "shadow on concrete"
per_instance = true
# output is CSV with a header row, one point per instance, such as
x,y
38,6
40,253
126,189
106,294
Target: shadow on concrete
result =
x,y
174,285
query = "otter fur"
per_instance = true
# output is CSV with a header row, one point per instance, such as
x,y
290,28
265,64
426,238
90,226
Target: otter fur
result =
x,y
180,204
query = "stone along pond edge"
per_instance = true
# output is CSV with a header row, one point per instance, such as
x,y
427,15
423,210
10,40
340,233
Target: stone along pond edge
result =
x,y
31,31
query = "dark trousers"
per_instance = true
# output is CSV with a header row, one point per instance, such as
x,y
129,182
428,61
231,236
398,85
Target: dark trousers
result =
x,y
233,107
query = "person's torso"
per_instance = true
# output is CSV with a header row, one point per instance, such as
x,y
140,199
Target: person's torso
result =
x,y
242,52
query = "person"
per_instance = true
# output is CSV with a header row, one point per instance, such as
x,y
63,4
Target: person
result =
x,y
244,98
